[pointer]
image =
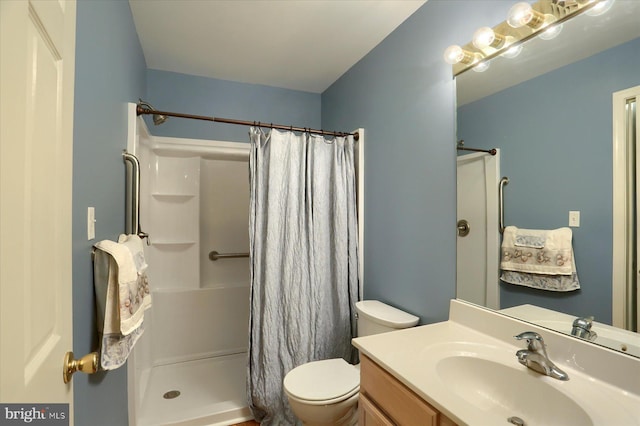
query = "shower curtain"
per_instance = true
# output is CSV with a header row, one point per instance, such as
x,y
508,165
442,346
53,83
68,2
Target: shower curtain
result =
x,y
304,269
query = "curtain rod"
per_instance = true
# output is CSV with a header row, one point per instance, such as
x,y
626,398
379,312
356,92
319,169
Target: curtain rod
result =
x,y
141,110
491,151
461,147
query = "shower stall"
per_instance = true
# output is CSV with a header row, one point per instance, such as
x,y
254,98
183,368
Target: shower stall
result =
x,y
189,367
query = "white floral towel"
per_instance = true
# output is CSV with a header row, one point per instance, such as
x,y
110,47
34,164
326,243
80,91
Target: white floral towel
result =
x,y
539,259
122,296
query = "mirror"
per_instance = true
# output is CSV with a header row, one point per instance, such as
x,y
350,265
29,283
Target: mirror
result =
x,y
549,112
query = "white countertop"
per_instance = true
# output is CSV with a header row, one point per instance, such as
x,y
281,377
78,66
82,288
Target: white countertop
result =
x,y
604,383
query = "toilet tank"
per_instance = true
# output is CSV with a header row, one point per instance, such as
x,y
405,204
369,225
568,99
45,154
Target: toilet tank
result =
x,y
375,317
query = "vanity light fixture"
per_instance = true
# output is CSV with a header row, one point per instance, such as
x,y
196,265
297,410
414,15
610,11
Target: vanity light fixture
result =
x,y
485,37
522,14
455,54
543,19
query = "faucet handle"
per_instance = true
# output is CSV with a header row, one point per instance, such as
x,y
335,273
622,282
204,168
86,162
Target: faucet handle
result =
x,y
534,340
582,328
529,335
583,322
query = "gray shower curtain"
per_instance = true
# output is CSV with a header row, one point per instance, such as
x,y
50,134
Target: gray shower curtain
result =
x,y
304,268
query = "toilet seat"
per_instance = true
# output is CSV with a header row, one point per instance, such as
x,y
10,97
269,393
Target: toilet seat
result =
x,y
323,382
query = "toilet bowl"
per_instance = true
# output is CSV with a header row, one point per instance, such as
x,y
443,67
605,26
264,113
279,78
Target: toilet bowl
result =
x,y
325,392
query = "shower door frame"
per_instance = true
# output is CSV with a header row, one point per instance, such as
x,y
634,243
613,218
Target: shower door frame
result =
x,y
623,185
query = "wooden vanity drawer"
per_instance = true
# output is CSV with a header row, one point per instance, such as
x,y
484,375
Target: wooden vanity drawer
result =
x,y
399,404
370,415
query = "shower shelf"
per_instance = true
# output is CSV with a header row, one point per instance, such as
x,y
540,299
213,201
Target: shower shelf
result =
x,y
161,196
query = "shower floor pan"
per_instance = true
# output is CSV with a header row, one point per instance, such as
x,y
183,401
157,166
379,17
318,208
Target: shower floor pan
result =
x,y
211,393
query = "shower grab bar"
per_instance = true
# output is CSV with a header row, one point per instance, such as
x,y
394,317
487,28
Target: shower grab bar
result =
x,y
132,216
504,181
214,255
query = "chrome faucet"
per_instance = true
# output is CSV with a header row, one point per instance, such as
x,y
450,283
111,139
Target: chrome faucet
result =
x,y
535,356
582,328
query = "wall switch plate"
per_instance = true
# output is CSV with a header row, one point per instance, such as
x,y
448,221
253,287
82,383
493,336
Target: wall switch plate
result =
x,y
574,219
91,223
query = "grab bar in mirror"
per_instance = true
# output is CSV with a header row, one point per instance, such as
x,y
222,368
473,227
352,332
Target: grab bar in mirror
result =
x,y
214,255
504,181
132,216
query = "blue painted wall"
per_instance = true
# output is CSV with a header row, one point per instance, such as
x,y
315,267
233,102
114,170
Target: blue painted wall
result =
x,y
190,94
110,71
555,138
403,94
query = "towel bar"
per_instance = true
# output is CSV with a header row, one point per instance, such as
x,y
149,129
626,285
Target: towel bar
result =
x,y
504,181
132,218
214,255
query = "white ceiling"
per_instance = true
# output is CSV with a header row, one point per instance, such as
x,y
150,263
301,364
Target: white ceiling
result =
x,y
296,44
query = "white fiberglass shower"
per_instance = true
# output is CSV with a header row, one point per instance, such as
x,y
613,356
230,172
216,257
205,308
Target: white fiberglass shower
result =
x,y
478,241
189,367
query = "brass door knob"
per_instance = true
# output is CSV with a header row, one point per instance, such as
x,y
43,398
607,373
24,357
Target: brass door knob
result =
x,y
87,364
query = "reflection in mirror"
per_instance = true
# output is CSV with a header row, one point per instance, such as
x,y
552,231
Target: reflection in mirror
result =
x,y
549,112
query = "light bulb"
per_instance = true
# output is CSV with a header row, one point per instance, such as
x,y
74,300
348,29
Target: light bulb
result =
x,y
481,67
551,32
485,37
600,8
522,14
512,52
455,54
519,14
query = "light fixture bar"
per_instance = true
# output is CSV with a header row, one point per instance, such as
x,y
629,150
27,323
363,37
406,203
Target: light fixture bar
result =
x,y
519,35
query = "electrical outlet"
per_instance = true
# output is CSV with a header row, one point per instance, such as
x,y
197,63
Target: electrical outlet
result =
x,y
574,219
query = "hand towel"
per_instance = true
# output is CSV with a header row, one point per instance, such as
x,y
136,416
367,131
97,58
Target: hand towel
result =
x,y
122,296
540,259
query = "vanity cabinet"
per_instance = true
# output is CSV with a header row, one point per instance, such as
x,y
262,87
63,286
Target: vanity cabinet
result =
x,y
385,401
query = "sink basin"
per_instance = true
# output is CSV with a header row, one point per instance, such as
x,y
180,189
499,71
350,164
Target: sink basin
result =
x,y
504,392
467,369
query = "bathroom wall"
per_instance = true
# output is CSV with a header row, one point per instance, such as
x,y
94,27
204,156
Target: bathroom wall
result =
x,y
555,138
224,213
110,71
191,94
403,94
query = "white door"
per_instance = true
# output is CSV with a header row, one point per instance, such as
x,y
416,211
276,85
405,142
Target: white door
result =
x,y
477,251
37,56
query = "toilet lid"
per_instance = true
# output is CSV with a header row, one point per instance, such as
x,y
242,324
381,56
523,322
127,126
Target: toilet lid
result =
x,y
322,380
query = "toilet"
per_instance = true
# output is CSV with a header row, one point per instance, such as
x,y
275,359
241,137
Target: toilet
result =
x,y
326,392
